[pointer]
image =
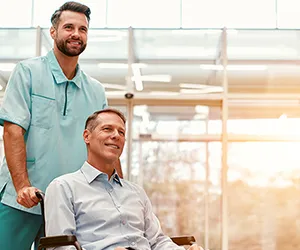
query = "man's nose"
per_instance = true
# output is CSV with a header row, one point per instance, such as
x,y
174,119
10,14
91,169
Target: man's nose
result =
x,y
115,133
75,33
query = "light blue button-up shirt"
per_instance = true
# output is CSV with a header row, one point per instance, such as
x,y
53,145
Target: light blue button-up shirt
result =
x,y
102,213
52,110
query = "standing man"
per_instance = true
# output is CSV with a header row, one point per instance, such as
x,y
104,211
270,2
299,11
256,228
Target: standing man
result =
x,y
94,204
46,102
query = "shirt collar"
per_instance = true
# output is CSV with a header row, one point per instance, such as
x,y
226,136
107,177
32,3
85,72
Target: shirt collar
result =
x,y
90,173
58,73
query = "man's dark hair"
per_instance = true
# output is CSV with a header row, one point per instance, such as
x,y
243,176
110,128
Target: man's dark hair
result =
x,y
71,6
91,122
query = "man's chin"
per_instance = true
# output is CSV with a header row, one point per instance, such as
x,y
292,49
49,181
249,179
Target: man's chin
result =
x,y
73,53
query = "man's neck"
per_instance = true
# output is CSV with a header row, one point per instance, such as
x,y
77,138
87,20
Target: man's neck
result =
x,y
67,63
107,168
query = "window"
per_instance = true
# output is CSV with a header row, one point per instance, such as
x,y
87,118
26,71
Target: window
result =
x,y
229,13
15,13
143,13
43,15
288,12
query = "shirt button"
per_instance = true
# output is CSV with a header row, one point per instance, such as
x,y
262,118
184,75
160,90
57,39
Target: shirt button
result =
x,y
132,243
123,222
110,190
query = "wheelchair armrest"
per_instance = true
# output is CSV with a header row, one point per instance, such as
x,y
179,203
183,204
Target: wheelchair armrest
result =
x,y
59,240
183,240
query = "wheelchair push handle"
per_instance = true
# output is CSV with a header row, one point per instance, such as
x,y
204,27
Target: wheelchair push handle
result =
x,y
40,195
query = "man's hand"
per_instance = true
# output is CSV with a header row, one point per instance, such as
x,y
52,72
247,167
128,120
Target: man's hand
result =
x,y
195,247
27,197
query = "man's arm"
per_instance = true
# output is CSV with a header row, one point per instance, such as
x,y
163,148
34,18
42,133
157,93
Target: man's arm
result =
x,y
15,153
15,116
59,210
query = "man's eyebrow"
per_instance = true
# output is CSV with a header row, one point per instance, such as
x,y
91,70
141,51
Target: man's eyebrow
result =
x,y
67,24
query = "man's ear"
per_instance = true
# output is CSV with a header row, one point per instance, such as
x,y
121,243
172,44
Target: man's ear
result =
x,y
52,32
86,136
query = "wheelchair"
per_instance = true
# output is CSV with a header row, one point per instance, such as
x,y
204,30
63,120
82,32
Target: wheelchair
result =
x,y
71,240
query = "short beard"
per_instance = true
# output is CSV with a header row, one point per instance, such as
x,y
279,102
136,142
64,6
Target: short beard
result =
x,y
62,46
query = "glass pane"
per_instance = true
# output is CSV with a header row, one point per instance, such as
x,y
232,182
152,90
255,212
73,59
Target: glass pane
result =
x,y
263,45
288,12
264,196
250,14
174,177
214,195
15,13
12,48
230,13
176,44
102,44
170,162
43,15
98,12
107,44
254,124
143,13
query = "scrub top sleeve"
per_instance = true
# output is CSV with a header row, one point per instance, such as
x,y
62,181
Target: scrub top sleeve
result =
x,y
103,97
16,105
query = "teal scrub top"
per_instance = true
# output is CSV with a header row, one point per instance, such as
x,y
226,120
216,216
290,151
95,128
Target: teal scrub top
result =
x,y
53,111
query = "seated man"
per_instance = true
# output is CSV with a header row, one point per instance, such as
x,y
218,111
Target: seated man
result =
x,y
94,204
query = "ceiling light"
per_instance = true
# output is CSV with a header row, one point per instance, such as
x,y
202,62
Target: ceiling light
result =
x,y
193,86
215,89
140,110
106,39
283,117
163,93
115,93
155,78
246,67
114,86
200,109
199,117
137,78
233,67
113,65
120,65
7,66
139,65
259,52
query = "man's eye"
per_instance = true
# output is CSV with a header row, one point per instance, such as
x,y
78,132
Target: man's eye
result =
x,y
121,133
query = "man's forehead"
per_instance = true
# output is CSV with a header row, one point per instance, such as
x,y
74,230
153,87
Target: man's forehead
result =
x,y
68,16
110,118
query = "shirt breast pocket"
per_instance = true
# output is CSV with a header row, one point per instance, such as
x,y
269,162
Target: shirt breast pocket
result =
x,y
42,111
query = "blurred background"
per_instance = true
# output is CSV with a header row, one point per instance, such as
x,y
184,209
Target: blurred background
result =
x,y
213,131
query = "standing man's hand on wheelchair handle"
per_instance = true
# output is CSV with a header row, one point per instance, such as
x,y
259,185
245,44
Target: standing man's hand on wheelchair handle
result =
x,y
26,196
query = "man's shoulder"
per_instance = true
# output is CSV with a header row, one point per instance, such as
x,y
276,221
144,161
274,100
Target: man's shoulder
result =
x,y
131,185
91,80
34,62
67,178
